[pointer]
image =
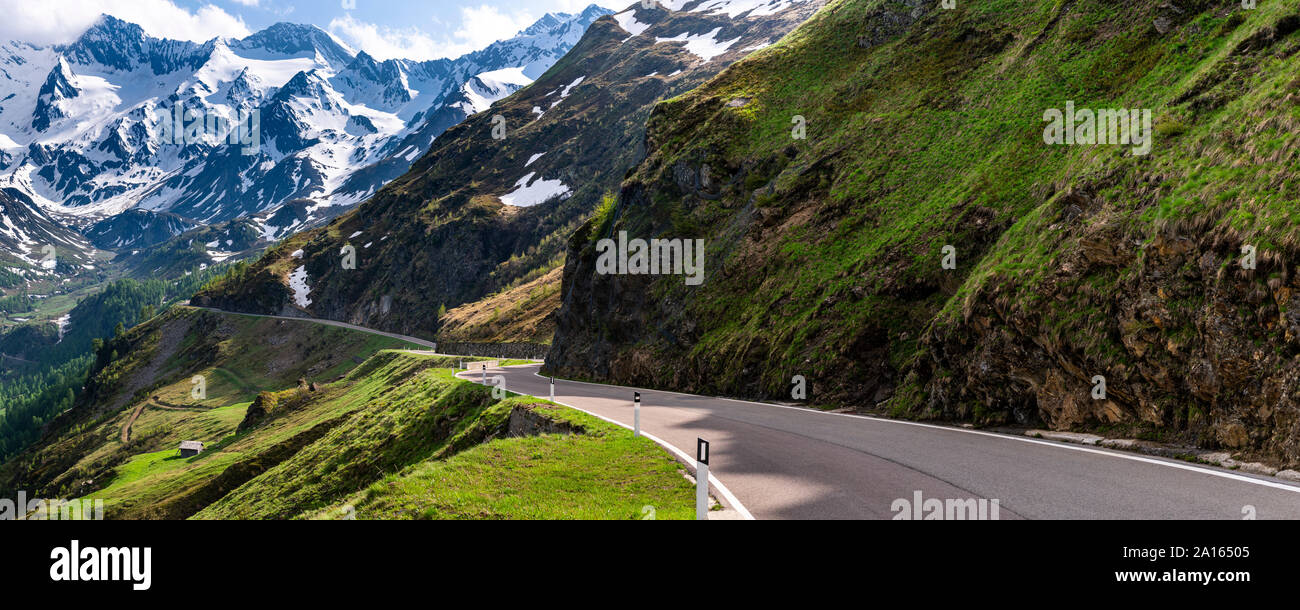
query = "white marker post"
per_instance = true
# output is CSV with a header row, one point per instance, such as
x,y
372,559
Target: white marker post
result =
x,y
701,480
552,389
636,414
485,374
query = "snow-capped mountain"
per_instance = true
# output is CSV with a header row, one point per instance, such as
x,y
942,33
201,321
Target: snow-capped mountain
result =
x,y
34,245
134,227
182,134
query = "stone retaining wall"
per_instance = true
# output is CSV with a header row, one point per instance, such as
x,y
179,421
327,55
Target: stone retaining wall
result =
x,y
504,351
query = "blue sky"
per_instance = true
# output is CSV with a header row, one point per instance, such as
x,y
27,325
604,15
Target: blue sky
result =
x,y
414,29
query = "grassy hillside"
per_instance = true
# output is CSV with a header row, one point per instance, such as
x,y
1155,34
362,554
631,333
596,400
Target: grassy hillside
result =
x,y
925,130
144,377
424,445
44,364
298,417
521,314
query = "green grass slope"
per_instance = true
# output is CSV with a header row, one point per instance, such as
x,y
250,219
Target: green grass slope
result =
x,y
425,445
145,378
299,417
925,130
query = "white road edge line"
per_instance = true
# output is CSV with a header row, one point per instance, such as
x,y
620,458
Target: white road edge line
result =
x,y
1114,454
732,501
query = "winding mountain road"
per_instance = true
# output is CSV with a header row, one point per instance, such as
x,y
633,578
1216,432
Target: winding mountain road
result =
x,y
778,462
421,342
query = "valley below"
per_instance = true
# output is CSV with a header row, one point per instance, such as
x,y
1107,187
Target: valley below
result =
x,y
344,425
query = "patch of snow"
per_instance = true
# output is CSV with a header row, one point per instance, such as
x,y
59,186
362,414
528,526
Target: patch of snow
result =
x,y
529,192
705,46
63,325
485,89
575,83
298,284
734,8
565,93
627,21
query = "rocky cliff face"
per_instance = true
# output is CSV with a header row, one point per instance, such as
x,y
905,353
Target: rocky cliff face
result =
x,y
1190,344
926,252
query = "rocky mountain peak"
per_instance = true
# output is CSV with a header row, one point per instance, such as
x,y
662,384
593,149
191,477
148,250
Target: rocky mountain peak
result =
x,y
298,40
124,46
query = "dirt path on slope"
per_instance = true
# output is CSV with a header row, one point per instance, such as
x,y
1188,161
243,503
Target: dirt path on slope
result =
x,y
172,335
126,430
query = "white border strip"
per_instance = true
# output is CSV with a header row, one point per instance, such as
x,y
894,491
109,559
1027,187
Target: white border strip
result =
x,y
732,501
1115,454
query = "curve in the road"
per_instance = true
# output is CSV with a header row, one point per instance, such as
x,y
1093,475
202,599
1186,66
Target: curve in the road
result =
x,y
790,462
793,463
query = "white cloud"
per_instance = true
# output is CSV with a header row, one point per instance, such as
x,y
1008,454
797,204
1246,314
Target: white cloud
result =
x,y
384,42
479,27
574,6
40,23
484,25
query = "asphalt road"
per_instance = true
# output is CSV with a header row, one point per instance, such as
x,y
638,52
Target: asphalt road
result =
x,y
776,462
791,463
408,339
